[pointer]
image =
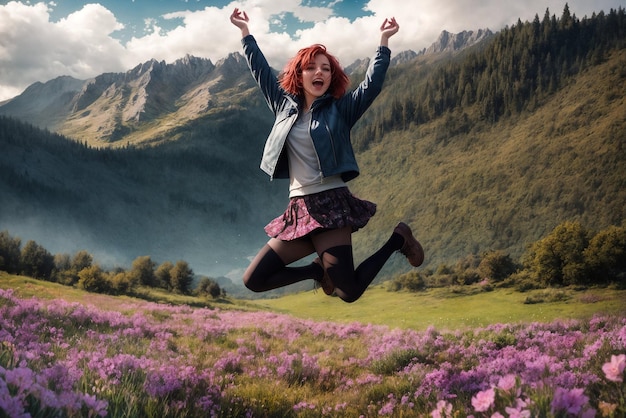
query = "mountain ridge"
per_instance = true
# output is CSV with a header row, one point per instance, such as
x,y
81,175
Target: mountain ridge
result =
x,y
108,109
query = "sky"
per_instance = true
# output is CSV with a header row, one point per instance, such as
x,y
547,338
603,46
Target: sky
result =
x,y
42,40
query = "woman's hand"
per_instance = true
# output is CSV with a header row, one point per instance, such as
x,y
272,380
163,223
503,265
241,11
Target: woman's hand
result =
x,y
240,19
389,28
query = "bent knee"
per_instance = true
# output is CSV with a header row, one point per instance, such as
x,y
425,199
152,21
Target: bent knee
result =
x,y
251,284
348,297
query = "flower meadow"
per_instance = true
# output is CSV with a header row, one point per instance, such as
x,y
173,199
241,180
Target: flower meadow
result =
x,y
62,359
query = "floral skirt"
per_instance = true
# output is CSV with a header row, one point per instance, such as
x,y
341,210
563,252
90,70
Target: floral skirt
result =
x,y
330,209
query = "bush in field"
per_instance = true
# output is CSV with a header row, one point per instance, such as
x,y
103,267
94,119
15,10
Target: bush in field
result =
x,y
208,287
163,274
468,277
62,267
606,255
82,260
10,252
94,279
496,266
142,271
571,255
412,281
181,278
557,259
36,261
121,283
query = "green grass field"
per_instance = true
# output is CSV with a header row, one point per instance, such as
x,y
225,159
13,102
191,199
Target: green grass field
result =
x,y
444,309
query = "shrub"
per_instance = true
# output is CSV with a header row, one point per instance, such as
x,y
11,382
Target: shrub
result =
x,y
606,254
411,281
9,252
547,296
496,266
122,283
208,287
558,258
36,261
93,279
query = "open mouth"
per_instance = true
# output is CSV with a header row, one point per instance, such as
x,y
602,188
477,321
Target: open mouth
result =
x,y
318,83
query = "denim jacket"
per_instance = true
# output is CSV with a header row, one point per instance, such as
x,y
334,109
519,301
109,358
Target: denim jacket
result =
x,y
331,120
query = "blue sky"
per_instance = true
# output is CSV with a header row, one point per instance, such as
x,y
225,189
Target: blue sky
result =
x,y
44,39
134,13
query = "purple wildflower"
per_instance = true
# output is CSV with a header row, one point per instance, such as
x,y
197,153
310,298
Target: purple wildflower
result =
x,y
570,401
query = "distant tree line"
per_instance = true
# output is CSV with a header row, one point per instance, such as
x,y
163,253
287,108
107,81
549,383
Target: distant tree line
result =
x,y
79,270
570,255
514,72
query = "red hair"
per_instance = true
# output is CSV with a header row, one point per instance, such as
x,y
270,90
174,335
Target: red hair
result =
x,y
291,77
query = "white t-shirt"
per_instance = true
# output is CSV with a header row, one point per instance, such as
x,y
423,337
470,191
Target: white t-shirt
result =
x,y
305,173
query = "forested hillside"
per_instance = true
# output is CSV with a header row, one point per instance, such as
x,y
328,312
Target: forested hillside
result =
x,y
192,199
515,73
495,147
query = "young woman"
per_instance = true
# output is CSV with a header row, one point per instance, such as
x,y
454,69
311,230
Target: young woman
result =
x,y
310,145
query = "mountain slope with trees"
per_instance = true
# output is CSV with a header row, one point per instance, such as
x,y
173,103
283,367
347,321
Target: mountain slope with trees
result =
x,y
471,181
177,201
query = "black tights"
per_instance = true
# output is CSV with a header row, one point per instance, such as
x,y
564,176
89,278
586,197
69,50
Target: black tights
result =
x,y
268,271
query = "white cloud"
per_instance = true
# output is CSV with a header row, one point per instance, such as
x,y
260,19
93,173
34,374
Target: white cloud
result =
x,y
34,48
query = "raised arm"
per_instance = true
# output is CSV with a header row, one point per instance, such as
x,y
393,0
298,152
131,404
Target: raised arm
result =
x,y
240,19
259,67
389,28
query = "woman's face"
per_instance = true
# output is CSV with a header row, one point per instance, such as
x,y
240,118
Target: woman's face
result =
x,y
316,78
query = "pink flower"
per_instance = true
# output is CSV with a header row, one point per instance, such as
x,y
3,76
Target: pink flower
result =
x,y
443,410
483,400
517,413
614,370
507,382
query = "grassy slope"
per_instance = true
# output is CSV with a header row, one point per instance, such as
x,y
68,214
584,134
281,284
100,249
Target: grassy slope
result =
x,y
444,310
439,308
506,185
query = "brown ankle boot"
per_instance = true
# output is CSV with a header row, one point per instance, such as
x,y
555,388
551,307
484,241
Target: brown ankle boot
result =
x,y
411,248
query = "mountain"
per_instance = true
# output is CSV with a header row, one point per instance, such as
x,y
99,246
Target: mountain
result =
x,y
446,44
451,42
493,148
141,105
202,200
44,104
487,148
164,163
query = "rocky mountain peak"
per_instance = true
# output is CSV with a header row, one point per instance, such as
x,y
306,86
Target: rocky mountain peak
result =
x,y
233,64
107,108
446,42
44,101
452,42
